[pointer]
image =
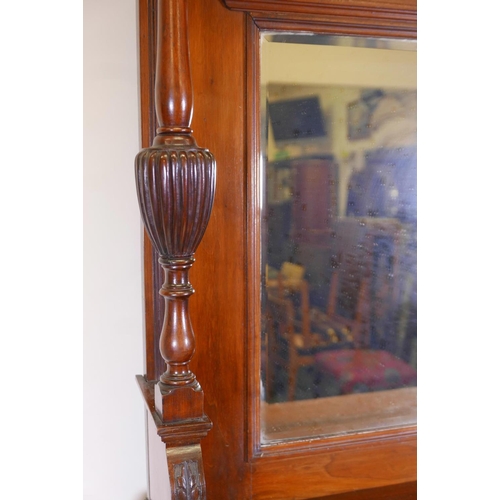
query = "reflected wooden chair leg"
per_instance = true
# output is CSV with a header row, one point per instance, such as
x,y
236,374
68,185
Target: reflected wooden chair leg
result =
x,y
292,378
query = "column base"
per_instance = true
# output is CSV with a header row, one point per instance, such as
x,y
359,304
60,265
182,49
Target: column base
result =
x,y
174,404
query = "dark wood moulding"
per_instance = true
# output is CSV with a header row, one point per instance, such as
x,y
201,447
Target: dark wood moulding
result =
x,y
223,81
175,182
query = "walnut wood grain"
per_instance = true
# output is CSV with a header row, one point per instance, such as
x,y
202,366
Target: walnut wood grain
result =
x,y
395,18
226,315
400,10
182,455
175,185
317,473
173,433
401,491
175,182
186,469
217,44
155,365
173,89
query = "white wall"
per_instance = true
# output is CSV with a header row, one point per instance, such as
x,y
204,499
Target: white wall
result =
x,y
114,419
308,64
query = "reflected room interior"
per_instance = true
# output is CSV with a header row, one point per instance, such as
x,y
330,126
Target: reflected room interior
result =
x,y
339,225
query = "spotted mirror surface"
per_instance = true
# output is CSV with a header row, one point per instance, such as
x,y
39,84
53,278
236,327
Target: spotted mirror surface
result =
x,y
339,234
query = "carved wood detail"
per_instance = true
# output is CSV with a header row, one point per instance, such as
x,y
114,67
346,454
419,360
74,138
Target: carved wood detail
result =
x,y
395,18
187,484
175,186
373,9
236,465
175,182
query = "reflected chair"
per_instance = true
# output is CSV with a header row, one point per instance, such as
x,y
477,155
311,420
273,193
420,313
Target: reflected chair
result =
x,y
288,278
369,365
292,340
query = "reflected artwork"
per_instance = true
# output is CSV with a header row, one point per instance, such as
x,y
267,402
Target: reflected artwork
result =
x,y
339,226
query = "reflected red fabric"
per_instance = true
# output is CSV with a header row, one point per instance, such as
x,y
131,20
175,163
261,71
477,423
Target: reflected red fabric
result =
x,y
360,370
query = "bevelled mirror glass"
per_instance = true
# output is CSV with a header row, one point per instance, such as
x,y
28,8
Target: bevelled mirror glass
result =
x,y
339,230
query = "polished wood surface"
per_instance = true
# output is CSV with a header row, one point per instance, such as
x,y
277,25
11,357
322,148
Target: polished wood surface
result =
x,y
174,453
313,474
396,18
324,7
403,491
153,274
173,89
226,312
175,182
301,474
217,38
175,185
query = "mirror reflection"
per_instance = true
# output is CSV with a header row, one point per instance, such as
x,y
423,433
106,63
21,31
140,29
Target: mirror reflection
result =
x,y
339,228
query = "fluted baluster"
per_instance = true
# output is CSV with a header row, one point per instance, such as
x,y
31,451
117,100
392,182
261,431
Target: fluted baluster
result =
x,y
175,187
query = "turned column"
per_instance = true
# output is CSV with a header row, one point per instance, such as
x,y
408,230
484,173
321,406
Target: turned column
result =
x,y
175,186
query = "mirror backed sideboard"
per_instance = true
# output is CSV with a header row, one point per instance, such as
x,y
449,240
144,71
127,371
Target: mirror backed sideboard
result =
x,y
296,203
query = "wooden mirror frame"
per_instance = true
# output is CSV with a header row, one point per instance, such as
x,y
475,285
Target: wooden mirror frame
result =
x,y
225,311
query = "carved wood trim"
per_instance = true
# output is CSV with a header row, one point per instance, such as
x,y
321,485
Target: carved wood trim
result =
x,y
395,18
318,24
295,441
188,479
175,187
328,8
302,455
175,182
154,306
218,41
254,234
